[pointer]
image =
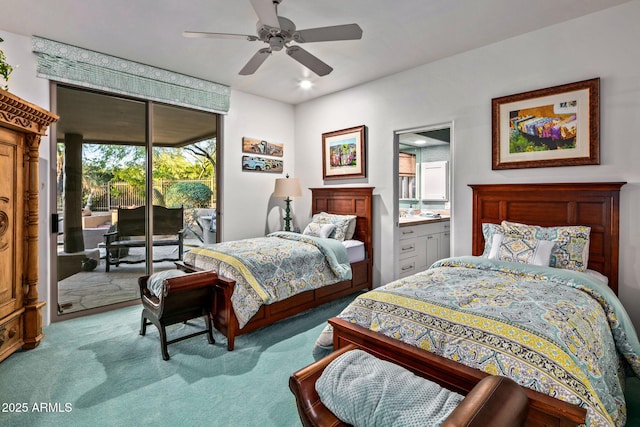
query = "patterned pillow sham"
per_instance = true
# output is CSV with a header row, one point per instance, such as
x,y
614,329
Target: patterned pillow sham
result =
x,y
319,230
524,251
345,224
571,250
488,231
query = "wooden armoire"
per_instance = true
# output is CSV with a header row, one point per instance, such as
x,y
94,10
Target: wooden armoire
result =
x,y
21,126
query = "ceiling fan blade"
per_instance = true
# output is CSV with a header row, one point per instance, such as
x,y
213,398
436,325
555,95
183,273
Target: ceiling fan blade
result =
x,y
266,12
255,62
309,61
324,34
201,34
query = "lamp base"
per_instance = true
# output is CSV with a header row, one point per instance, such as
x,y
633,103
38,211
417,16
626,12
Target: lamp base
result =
x,y
287,215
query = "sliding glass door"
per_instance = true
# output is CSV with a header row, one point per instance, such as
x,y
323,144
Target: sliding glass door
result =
x,y
117,159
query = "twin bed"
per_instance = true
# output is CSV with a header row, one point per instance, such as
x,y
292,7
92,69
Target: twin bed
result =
x,y
241,305
560,332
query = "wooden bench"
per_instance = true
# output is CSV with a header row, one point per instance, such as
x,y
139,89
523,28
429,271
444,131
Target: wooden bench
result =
x,y
168,230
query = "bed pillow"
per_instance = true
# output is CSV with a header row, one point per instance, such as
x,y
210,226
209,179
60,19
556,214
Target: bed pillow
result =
x,y
571,250
319,230
345,224
524,251
488,231
155,282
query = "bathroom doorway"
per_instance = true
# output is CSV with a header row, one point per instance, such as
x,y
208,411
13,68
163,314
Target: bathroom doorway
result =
x,y
424,210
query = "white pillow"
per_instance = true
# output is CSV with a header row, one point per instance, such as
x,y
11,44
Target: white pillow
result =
x,y
319,230
524,251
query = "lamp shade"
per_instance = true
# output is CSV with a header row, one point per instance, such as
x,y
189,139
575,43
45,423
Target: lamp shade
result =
x,y
287,187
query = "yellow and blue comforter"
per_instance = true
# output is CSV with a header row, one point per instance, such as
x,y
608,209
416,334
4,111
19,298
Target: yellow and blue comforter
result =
x,y
559,332
273,268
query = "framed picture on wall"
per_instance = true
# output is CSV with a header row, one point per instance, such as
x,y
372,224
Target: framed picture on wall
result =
x,y
556,126
262,164
343,153
259,146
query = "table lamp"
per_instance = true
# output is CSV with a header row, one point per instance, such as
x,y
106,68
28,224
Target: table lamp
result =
x,y
287,188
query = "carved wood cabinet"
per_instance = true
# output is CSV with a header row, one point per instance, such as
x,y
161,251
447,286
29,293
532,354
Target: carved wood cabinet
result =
x,y
21,126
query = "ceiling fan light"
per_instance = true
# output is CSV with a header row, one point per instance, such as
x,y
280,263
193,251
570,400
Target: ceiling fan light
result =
x,y
276,43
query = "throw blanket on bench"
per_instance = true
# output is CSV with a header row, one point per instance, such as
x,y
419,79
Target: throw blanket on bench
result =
x,y
273,268
363,390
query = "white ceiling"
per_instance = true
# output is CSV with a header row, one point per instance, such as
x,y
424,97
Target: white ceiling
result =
x,y
397,34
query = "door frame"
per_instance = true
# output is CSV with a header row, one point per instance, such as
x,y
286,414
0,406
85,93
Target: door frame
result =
x,y
396,194
54,316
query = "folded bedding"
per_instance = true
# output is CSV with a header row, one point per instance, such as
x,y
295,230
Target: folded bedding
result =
x,y
273,268
561,332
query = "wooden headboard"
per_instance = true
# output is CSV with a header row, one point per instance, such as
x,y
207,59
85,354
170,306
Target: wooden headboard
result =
x,y
348,201
591,204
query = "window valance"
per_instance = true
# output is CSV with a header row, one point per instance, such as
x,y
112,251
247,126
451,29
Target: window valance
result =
x,y
70,64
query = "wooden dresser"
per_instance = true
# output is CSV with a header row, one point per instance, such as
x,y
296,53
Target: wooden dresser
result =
x,y
21,126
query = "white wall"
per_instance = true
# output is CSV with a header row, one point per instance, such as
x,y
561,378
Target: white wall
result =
x,y
460,89
249,210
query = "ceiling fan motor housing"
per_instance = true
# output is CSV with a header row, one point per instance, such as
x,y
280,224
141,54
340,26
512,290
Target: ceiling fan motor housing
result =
x,y
276,37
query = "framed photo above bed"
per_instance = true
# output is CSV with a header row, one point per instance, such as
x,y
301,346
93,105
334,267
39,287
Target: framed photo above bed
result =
x,y
555,126
343,153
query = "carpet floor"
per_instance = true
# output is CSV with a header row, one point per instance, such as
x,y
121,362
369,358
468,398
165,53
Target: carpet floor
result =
x,y
98,371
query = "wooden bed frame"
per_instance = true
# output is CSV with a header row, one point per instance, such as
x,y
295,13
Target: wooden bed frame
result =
x,y
592,204
343,201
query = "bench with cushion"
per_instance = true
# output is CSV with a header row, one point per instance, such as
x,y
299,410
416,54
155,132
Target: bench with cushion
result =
x,y
351,387
130,229
173,296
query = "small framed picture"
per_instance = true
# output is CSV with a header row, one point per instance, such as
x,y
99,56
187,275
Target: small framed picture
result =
x,y
343,153
259,146
262,164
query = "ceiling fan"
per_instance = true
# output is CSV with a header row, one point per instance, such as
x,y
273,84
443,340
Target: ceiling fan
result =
x,y
278,32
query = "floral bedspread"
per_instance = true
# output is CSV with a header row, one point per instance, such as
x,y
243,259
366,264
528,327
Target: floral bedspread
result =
x,y
273,268
559,332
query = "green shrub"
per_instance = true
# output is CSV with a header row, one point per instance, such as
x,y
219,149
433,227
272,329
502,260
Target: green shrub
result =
x,y
188,194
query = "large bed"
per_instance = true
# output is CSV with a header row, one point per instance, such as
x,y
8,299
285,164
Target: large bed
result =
x,y
468,317
356,201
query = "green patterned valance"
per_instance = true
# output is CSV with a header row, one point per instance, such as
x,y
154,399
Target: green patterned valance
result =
x,y
71,64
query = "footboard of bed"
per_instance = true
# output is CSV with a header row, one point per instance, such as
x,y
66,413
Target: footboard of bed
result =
x,y
226,322
543,410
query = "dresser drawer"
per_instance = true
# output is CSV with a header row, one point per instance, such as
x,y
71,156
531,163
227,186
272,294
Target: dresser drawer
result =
x,y
408,266
407,248
410,232
11,334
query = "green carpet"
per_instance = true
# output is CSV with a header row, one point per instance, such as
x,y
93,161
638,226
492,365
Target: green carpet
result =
x,y
108,375
98,371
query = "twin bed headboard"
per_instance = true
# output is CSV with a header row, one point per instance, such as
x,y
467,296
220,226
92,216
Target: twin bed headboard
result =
x,y
591,204
348,201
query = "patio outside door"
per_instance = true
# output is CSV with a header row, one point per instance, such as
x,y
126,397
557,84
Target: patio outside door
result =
x,y
117,153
